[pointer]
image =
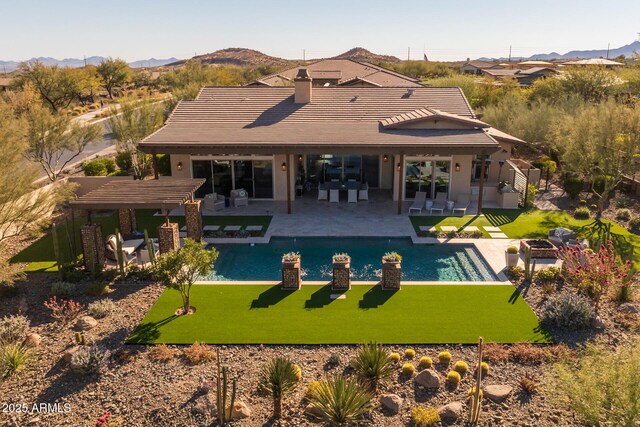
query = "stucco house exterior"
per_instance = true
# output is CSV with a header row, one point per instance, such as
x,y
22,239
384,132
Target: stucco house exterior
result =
x,y
272,140
476,67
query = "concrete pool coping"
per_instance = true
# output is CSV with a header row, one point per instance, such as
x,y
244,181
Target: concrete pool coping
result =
x,y
353,283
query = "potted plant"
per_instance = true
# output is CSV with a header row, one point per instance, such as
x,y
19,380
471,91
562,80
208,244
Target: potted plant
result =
x,y
512,256
291,278
391,270
341,271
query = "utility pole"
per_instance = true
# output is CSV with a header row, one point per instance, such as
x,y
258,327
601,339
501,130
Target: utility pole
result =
x,y
608,46
408,53
304,55
85,61
509,53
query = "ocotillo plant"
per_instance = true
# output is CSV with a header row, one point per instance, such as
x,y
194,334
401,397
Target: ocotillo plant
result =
x,y
56,251
149,244
475,394
70,245
224,416
529,267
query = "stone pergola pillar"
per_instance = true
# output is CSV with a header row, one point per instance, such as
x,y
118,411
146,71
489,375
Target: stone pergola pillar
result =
x,y
127,220
168,237
92,247
193,219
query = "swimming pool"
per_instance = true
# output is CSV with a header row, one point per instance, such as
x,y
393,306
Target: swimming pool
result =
x,y
443,262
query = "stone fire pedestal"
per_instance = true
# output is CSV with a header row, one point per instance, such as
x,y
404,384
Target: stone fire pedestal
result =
x,y
391,275
168,237
127,220
193,219
291,278
92,247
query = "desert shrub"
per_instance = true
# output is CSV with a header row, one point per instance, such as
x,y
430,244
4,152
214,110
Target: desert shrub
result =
x,y
341,400
573,185
102,167
408,369
528,385
634,225
97,289
13,329
312,389
600,181
624,201
279,379
528,354
63,311
14,357
8,290
532,192
392,257
623,214
409,353
444,357
496,353
334,359
101,308
164,164
461,367
372,364
123,161
123,355
582,212
395,357
198,353
547,275
63,289
161,353
603,387
89,359
298,371
453,378
568,311
515,272
425,362
624,293
423,416
560,352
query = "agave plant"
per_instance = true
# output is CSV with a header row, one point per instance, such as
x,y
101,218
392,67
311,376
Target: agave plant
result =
x,y
372,364
278,378
14,357
340,400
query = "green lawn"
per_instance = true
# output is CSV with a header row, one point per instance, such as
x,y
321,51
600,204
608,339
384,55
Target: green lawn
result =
x,y
261,314
40,255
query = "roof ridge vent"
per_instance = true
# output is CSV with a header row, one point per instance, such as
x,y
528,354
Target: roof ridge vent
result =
x,y
355,98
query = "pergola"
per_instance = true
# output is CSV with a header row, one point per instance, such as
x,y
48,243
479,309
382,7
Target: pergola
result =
x,y
126,196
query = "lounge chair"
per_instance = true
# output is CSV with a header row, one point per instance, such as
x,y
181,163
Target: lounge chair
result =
x,y
239,197
363,194
214,202
129,248
322,192
461,204
143,254
440,203
352,195
334,195
418,202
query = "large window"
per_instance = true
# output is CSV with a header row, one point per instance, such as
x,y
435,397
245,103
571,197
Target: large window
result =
x,y
477,167
331,167
429,176
222,176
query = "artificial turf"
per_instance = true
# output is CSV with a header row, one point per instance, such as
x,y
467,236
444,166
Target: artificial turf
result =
x,y
417,314
40,256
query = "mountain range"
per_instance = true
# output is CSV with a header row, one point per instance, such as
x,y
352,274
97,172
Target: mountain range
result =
x,y
627,50
9,66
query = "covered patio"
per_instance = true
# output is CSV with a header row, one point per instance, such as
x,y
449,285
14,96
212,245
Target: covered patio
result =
x,y
126,197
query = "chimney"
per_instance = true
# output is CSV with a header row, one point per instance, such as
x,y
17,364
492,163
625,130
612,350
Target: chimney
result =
x,y
303,87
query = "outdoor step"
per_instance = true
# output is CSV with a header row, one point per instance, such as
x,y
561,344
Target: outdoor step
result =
x,y
232,228
470,228
498,236
492,229
253,228
211,228
448,228
428,228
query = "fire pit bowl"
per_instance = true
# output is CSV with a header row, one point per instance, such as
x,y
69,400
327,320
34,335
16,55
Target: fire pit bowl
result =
x,y
540,248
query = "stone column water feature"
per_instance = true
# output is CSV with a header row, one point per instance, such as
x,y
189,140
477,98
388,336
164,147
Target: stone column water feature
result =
x,y
291,277
391,275
92,247
127,220
341,273
193,219
168,237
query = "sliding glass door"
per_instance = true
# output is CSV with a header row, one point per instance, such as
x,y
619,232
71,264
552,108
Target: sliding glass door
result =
x,y
222,176
336,167
429,176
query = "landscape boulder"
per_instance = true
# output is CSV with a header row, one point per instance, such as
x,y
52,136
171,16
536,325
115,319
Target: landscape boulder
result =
x,y
451,410
629,308
391,402
240,410
68,355
312,411
428,379
33,340
498,392
86,323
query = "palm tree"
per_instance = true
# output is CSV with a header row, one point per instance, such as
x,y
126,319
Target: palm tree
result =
x,y
372,365
278,378
339,400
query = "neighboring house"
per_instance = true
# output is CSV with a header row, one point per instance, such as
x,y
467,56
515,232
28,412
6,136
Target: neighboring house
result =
x,y
476,67
600,62
5,83
341,72
535,63
524,77
267,140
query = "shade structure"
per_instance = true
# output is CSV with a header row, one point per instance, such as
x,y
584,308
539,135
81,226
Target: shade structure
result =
x,y
136,194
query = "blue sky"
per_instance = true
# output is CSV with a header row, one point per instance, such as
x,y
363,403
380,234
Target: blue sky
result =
x,y
450,30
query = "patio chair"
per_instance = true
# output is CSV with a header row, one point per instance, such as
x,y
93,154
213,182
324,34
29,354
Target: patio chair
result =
x,y
239,197
440,203
461,204
352,195
363,194
214,202
129,248
322,192
418,202
334,195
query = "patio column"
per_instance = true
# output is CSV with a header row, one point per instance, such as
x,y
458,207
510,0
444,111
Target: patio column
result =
x,y
168,237
288,167
400,182
481,184
193,219
92,247
127,220
155,166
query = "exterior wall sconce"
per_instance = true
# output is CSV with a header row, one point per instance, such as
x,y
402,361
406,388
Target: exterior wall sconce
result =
x,y
385,158
457,167
300,157
398,167
284,166
179,166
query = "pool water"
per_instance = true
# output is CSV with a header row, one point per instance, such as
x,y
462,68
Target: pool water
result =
x,y
444,262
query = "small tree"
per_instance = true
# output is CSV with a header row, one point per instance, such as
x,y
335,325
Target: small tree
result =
x,y
180,269
548,167
113,74
58,87
593,273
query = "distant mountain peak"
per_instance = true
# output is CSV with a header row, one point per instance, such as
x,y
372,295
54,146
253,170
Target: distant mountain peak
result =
x,y
361,54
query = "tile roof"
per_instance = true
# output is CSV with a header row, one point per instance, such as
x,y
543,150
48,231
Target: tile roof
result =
x,y
427,113
246,118
348,70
